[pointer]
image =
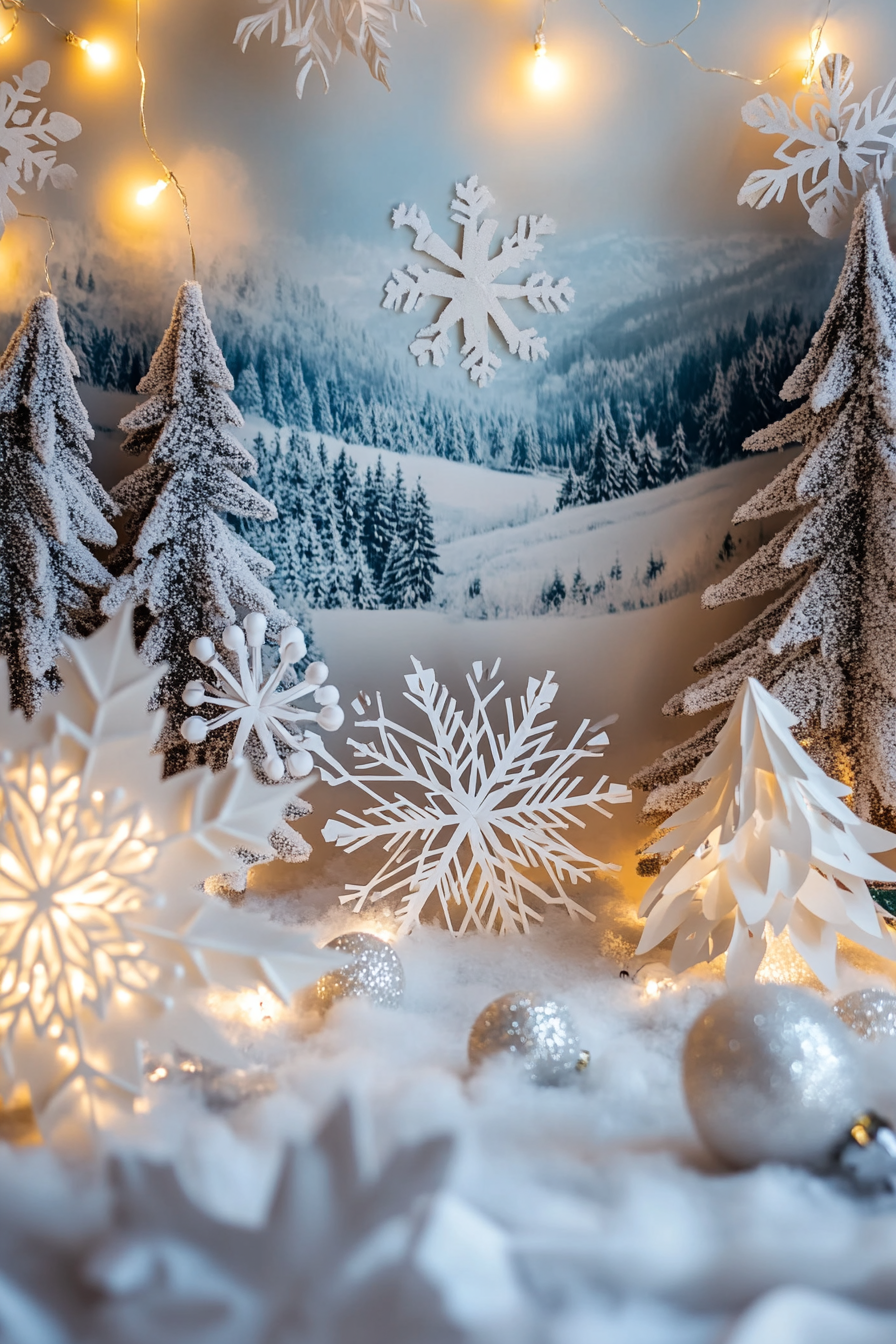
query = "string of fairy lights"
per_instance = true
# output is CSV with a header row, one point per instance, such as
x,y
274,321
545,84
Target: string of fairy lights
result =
x,y
546,76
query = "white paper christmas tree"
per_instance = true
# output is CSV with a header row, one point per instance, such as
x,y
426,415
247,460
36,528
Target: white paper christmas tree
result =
x,y
769,842
104,931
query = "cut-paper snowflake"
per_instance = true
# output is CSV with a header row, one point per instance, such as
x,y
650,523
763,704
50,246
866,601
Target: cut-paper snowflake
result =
x,y
321,31
834,152
257,700
104,931
474,808
474,294
28,138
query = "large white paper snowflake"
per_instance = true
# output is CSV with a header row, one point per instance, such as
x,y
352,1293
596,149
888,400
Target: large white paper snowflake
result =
x,y
845,146
475,808
473,293
257,700
320,31
28,138
104,932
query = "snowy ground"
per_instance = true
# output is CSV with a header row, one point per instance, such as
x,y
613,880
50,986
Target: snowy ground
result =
x,y
609,1221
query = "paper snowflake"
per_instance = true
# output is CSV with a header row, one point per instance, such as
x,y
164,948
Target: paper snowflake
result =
x,y
845,146
257,700
475,808
474,294
103,929
321,31
28,138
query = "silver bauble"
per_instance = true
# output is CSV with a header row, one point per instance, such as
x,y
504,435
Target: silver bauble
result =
x,y
771,1075
869,1012
374,972
539,1032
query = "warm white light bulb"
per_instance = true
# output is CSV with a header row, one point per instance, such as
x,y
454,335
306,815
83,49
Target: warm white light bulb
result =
x,y
97,54
149,195
546,75
818,50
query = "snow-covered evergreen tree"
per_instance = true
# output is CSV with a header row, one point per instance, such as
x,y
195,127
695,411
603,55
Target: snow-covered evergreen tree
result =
x,y
376,530
525,448
603,476
412,564
247,393
323,413
51,507
650,468
770,841
296,401
677,463
181,564
826,645
347,496
338,586
572,492
273,398
630,460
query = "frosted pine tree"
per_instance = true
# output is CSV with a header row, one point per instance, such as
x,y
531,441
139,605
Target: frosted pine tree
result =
x,y
770,844
525,449
274,409
181,564
650,473
412,564
336,585
347,495
376,530
677,465
572,492
247,393
603,477
630,460
52,507
826,644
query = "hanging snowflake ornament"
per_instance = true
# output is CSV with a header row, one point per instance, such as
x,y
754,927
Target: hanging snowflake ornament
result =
x,y
104,932
833,153
320,32
257,700
473,809
470,284
28,138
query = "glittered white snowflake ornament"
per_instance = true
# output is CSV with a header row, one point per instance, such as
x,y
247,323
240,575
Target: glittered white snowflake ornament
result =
x,y
472,808
833,152
471,285
28,138
258,701
104,932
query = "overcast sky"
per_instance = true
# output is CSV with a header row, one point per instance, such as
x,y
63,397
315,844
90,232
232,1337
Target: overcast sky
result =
x,y
636,141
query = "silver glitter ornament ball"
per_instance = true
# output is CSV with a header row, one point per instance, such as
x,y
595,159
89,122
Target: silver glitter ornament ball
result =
x,y
539,1032
771,1075
374,972
869,1012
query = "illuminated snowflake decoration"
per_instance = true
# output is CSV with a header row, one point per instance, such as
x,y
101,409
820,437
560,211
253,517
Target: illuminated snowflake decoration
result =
x,y
473,809
834,152
104,932
28,138
258,701
474,294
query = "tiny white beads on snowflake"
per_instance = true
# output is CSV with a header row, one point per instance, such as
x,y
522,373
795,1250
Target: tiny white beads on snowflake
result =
x,y
258,701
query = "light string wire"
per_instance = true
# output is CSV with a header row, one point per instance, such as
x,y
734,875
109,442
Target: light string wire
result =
x,y
169,175
19,7
817,33
25,215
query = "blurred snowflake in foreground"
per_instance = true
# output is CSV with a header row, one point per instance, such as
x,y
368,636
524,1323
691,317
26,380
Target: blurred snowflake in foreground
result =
x,y
473,807
104,932
28,138
474,294
846,146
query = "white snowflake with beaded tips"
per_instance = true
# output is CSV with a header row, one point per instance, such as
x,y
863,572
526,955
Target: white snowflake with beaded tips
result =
x,y
258,702
474,294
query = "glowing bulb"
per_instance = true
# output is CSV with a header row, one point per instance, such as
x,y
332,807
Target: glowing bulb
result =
x,y
149,195
818,50
546,75
99,55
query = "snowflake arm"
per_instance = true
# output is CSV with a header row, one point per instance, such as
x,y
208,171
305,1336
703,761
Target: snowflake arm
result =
x,y
844,146
474,294
476,809
28,140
